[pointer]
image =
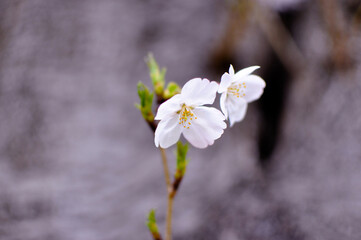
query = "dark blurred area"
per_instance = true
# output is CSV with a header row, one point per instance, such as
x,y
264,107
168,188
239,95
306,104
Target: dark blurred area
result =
x,y
77,161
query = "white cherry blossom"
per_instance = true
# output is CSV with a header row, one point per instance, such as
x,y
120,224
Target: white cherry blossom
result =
x,y
239,89
185,113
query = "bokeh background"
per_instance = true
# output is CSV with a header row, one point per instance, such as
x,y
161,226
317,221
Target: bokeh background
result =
x,y
78,162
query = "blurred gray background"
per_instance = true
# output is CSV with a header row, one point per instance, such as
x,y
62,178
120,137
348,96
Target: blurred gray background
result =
x,y
78,162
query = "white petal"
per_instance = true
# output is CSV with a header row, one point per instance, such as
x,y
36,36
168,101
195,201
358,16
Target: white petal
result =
x,y
237,108
254,87
231,70
226,81
169,107
194,135
211,115
244,72
168,132
222,102
208,127
199,92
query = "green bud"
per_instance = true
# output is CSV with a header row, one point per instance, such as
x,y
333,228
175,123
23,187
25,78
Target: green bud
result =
x,y
146,101
182,162
171,90
156,75
152,225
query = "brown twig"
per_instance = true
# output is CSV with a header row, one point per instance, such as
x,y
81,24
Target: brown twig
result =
x,y
168,233
356,20
166,169
157,236
339,37
171,195
171,190
279,38
235,27
175,185
152,125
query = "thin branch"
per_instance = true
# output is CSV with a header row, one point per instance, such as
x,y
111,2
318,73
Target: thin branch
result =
x,y
175,186
279,38
156,236
235,28
168,233
170,189
166,169
339,36
152,125
356,20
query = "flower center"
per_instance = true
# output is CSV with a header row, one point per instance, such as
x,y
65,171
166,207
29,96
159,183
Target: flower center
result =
x,y
237,89
186,116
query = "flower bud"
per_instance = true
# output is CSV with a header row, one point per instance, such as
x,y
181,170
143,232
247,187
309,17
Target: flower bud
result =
x,y
156,75
152,225
146,101
171,90
182,162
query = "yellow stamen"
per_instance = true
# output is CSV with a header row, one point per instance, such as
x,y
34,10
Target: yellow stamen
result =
x,y
186,116
237,90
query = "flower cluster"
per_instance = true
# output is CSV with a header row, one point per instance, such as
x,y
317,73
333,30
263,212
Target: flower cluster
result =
x,y
185,113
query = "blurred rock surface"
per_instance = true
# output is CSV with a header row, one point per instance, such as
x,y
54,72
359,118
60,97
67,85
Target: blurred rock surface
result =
x,y
78,162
